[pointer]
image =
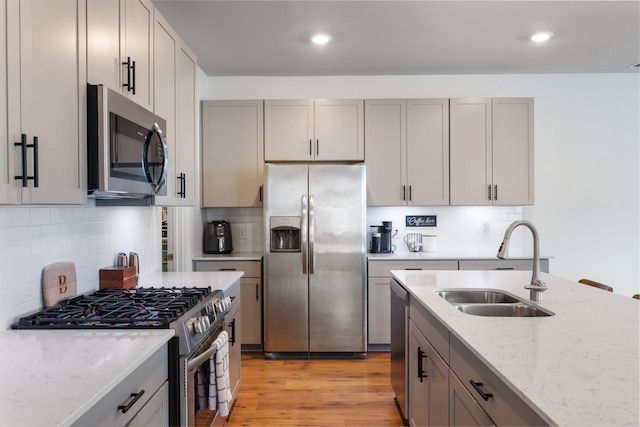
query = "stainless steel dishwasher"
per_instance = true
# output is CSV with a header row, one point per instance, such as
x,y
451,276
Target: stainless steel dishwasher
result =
x,y
399,344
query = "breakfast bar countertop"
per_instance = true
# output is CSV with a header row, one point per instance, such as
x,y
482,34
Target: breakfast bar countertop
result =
x,y
577,367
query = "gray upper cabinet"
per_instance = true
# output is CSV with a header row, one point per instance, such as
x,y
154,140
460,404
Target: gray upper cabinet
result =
x,y
306,130
491,151
44,104
120,32
407,153
232,156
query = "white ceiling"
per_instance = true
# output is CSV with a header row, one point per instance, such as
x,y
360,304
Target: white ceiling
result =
x,y
271,38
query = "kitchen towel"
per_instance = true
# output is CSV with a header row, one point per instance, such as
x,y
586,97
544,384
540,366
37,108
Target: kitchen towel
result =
x,y
201,376
219,388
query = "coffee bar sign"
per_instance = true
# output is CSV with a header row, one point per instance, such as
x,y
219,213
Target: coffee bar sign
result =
x,y
420,221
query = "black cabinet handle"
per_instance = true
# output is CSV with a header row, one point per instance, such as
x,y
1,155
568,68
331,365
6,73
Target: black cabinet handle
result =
x,y
136,397
404,193
488,192
131,75
182,178
257,292
317,147
260,193
23,147
310,148
232,338
421,356
482,393
409,193
495,192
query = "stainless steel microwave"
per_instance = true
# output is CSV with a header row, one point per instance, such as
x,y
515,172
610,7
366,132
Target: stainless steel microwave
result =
x,y
126,147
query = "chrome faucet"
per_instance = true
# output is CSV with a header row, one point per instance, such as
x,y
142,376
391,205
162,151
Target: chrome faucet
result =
x,y
537,286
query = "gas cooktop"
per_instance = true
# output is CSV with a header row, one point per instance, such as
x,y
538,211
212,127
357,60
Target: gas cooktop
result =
x,y
119,308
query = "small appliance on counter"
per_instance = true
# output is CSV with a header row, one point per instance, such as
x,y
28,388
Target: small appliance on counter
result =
x,y
217,238
381,238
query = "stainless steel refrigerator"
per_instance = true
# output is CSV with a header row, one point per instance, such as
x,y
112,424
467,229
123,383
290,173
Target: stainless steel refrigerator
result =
x,y
314,282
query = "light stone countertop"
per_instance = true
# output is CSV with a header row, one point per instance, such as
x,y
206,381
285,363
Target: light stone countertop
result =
x,y
449,255
579,367
52,377
233,256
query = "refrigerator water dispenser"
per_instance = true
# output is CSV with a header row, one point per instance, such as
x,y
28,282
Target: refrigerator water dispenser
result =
x,y
285,233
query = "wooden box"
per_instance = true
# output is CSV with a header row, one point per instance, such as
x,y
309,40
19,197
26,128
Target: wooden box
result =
x,y
118,277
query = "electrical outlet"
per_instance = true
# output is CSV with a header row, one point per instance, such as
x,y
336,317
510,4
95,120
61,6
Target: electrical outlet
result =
x,y
485,228
242,233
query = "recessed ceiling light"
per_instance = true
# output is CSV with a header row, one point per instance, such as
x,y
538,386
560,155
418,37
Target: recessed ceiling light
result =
x,y
540,37
321,38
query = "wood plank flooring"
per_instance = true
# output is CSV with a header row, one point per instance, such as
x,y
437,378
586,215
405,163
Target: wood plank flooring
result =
x,y
315,392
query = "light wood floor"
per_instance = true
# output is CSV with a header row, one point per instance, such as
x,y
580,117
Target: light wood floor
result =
x,y
316,392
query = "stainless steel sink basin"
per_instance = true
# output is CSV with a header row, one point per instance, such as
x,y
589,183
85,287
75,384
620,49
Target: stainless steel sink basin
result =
x,y
476,296
491,302
504,310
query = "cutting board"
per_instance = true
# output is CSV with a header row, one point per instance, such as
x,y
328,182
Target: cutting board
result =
x,y
58,283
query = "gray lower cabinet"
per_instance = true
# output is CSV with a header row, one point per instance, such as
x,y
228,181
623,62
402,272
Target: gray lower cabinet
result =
x,y
428,382
141,399
463,409
450,385
250,295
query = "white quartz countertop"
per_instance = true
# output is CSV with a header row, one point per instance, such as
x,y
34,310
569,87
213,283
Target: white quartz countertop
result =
x,y
52,377
448,255
215,279
579,367
233,256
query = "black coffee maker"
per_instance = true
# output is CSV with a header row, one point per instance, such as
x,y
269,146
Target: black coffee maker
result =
x,y
217,238
381,238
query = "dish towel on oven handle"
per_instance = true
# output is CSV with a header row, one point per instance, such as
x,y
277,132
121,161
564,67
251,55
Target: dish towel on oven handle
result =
x,y
219,387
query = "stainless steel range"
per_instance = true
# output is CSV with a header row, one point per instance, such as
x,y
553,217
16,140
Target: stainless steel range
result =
x,y
197,316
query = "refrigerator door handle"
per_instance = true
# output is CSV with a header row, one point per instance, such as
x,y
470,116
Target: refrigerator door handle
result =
x,y
304,234
312,253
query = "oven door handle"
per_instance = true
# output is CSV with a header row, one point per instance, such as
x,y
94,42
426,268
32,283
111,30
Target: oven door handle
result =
x,y
201,358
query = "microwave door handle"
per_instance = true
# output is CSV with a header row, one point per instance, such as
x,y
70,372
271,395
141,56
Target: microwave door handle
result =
x,y
165,161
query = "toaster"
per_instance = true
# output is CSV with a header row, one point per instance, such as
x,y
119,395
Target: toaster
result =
x,y
217,238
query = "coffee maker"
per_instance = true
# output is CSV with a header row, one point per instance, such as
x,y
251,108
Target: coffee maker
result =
x,y
381,238
217,238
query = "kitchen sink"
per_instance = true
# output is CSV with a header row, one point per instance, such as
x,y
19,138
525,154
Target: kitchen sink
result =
x,y
491,302
460,296
504,310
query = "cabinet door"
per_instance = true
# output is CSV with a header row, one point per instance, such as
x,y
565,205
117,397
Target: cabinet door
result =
x,y
9,191
385,157
513,151
186,125
470,151
137,44
164,99
428,151
288,130
155,413
46,97
463,409
232,160
428,382
251,298
103,43
339,130
379,309
234,325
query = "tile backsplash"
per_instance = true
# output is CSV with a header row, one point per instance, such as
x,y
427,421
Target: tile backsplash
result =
x,y
464,229
90,237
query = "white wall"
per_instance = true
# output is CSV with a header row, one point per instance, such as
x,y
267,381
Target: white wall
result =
x,y
587,133
90,237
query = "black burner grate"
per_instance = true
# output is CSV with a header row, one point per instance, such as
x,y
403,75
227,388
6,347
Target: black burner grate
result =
x,y
118,308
